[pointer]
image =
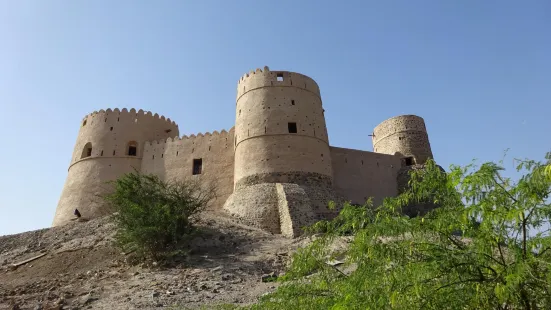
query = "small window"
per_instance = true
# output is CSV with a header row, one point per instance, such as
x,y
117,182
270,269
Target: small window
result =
x,y
87,151
409,161
292,102
132,148
280,77
292,127
168,130
197,166
111,129
84,123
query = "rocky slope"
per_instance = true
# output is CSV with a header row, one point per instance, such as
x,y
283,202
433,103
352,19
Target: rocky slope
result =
x,y
81,269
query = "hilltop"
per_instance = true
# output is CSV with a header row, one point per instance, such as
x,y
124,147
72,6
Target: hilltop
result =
x,y
82,269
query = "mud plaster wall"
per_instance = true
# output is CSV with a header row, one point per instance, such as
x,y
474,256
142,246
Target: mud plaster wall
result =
x,y
172,159
264,109
358,175
405,135
294,208
108,133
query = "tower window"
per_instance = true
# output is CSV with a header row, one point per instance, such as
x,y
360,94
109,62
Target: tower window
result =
x,y
132,148
197,166
409,161
280,77
87,151
84,123
292,127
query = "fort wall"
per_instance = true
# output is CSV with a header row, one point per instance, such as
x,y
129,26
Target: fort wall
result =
x,y
280,129
173,159
403,136
101,154
358,175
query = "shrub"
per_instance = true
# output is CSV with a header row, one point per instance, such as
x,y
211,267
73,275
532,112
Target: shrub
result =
x,y
154,217
487,247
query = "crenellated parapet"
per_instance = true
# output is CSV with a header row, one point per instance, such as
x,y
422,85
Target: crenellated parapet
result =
x,y
259,78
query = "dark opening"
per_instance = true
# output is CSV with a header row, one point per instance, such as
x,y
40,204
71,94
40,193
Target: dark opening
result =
x,y
292,102
132,148
87,150
280,77
168,130
111,129
197,166
84,123
409,161
292,127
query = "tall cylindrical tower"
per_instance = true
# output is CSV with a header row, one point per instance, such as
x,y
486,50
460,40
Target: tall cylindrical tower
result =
x,y
405,136
280,131
109,144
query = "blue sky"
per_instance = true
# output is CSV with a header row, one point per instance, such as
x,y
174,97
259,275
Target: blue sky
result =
x,y
478,72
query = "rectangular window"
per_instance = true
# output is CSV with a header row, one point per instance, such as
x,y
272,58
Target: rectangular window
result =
x,y
409,161
89,152
280,77
292,127
132,151
197,166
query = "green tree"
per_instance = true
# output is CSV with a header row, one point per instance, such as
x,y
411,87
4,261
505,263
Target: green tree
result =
x,y
486,247
154,217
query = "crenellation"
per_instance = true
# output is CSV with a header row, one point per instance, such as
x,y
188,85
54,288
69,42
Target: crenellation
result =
x,y
275,169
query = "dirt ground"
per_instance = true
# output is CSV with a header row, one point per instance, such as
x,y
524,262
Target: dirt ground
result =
x,y
81,269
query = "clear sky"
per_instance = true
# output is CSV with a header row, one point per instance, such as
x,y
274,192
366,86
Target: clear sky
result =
x,y
478,72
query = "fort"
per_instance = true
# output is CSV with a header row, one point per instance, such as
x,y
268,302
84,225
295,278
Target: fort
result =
x,y
274,170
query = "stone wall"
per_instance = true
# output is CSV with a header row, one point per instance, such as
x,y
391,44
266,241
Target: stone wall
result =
x,y
359,175
404,136
173,159
270,107
294,208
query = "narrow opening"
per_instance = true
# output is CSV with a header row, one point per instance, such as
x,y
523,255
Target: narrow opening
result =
x,y
280,77
153,156
132,148
409,161
114,152
292,102
176,153
162,155
264,129
362,162
87,151
209,147
239,112
168,130
292,127
101,153
105,120
111,129
197,166
84,123
118,119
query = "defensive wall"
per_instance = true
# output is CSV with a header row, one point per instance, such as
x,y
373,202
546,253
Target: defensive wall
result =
x,y
275,169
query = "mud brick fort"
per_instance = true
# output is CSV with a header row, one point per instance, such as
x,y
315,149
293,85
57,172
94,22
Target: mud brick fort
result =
x,y
274,170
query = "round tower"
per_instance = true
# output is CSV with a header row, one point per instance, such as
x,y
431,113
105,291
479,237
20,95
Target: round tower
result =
x,y
280,131
109,144
405,136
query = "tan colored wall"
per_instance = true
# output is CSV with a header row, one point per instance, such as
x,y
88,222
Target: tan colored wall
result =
x,y
405,135
358,175
109,132
265,106
172,159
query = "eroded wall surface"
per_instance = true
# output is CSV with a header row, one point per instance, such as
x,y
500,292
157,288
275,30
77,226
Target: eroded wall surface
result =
x,y
358,175
172,159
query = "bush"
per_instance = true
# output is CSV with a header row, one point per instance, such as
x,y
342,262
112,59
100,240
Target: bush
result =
x,y
487,247
154,217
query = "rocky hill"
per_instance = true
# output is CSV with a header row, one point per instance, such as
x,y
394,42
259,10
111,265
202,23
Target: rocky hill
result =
x,y
76,266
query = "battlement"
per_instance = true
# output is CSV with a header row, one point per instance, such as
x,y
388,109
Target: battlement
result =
x,y
265,78
200,136
125,114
